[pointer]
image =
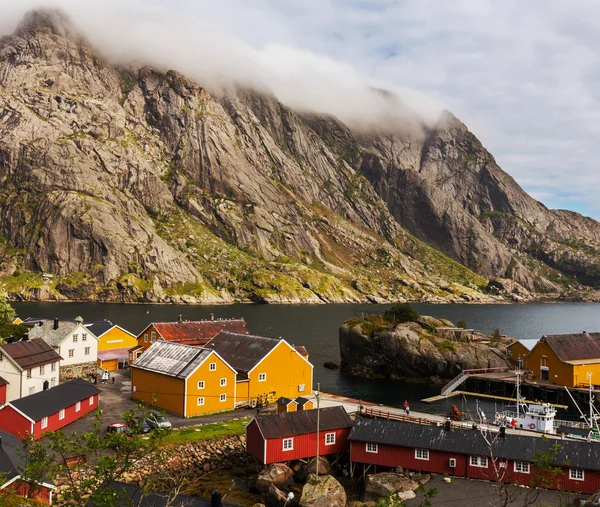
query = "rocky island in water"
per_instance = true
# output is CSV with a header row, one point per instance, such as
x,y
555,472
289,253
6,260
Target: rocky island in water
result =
x,y
405,345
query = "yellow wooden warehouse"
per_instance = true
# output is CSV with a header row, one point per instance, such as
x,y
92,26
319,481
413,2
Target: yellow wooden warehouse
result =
x,y
184,380
567,359
114,343
268,368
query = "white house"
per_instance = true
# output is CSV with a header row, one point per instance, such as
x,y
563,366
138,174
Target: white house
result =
x,y
29,367
75,343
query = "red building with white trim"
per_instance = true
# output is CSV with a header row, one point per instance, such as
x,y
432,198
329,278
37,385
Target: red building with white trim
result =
x,y
49,410
277,438
465,453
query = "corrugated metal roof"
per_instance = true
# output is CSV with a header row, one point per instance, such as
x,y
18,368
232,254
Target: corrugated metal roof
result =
x,y
529,343
55,337
107,355
99,327
242,351
300,423
30,353
198,332
45,403
471,442
172,359
11,456
573,347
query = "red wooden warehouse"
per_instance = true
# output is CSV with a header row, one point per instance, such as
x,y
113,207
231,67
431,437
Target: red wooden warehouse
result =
x,y
466,453
49,410
3,384
284,437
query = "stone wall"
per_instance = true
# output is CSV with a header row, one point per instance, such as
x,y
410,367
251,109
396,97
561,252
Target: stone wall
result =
x,y
77,370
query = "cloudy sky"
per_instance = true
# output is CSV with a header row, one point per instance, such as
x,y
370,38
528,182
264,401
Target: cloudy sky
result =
x,y
524,76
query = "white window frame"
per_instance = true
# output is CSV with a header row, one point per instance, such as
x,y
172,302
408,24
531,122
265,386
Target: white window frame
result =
x,y
212,367
223,398
422,454
1,356
52,382
288,444
329,438
42,369
577,474
145,337
201,384
77,406
478,461
61,414
53,367
91,400
31,390
44,422
86,351
152,336
223,382
522,467
71,352
29,373
200,401
75,338
262,377
84,337
372,448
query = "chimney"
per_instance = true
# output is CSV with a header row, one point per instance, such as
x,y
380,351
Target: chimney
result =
x,y
212,316
502,432
10,339
55,324
41,323
180,319
25,337
215,498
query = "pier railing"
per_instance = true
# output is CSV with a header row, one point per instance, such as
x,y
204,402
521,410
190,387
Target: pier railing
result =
x,y
463,375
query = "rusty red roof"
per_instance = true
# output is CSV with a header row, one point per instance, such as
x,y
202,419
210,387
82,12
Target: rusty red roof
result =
x,y
574,347
292,424
30,353
301,349
198,332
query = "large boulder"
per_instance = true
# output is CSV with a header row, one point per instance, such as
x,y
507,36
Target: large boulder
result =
x,y
324,491
311,468
387,483
276,474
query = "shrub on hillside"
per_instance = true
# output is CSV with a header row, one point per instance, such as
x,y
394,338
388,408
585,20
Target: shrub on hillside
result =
x,y
401,312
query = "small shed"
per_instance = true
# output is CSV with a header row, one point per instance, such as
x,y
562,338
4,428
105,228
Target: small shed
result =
x,y
305,403
277,438
49,410
286,405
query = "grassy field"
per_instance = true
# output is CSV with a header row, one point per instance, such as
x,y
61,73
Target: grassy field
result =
x,y
206,432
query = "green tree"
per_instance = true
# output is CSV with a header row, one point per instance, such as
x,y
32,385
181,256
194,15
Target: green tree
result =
x,y
400,313
496,336
462,324
7,312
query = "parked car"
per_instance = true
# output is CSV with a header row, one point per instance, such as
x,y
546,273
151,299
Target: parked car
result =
x,y
117,428
156,420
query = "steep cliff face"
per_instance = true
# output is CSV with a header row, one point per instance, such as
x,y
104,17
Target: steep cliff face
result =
x,y
137,184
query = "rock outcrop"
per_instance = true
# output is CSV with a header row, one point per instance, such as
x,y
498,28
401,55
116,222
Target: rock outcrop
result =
x,y
384,484
133,184
311,468
276,474
324,491
373,347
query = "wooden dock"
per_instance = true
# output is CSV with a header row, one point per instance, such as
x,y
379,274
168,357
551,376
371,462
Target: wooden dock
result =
x,y
439,397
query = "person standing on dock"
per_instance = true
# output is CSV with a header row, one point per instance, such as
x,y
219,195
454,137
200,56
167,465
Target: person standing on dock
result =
x,y
405,405
406,408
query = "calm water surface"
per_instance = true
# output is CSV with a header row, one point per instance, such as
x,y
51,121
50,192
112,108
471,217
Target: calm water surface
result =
x,y
316,327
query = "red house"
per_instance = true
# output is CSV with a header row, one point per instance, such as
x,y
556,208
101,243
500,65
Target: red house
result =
x,y
466,453
277,438
11,457
49,410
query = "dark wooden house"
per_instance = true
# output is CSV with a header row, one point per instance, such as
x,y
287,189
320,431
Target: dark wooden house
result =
x,y
277,438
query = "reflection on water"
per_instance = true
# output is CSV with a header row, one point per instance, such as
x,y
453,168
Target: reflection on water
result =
x,y
316,327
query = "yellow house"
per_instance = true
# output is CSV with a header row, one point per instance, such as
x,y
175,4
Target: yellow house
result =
x,y
567,359
183,379
519,349
267,368
114,343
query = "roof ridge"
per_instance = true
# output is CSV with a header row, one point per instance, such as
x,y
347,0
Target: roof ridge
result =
x,y
249,335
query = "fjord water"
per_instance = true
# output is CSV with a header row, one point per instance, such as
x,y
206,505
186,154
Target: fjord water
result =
x,y
316,327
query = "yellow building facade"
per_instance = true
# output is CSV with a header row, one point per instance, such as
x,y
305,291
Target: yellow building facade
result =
x,y
184,380
556,361
113,348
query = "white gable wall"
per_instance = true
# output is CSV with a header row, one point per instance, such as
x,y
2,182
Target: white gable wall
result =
x,y
78,347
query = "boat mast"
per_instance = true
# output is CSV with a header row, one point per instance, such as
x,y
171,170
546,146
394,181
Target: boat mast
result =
x,y
518,385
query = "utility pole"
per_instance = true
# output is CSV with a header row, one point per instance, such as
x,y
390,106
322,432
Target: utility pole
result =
x,y
318,396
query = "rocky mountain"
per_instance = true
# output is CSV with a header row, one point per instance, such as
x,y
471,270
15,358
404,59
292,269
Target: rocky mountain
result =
x,y
138,184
